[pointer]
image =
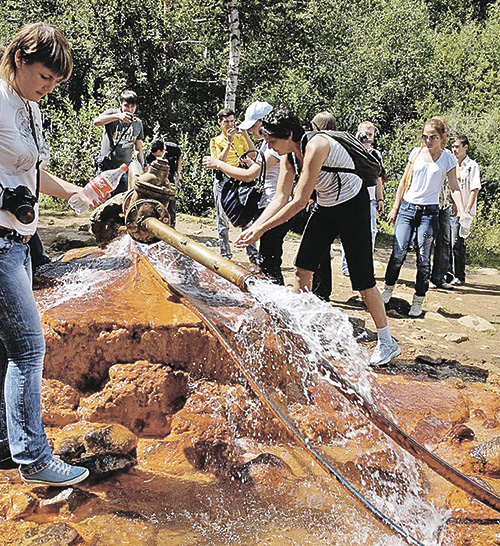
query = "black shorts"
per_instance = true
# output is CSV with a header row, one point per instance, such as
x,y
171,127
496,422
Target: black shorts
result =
x,y
350,220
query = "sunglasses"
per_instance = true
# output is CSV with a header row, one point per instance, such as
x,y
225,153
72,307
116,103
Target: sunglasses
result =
x,y
430,137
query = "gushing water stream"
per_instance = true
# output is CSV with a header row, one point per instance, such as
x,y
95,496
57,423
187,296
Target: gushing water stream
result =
x,y
281,337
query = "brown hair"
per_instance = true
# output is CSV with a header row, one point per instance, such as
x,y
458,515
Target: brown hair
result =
x,y
224,113
38,42
439,124
324,121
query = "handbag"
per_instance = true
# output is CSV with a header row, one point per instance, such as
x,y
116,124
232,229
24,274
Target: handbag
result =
x,y
239,199
409,176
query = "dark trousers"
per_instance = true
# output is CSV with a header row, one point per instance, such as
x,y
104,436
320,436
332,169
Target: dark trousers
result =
x,y
271,251
442,248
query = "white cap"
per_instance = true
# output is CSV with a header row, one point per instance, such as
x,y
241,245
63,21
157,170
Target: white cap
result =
x,y
257,110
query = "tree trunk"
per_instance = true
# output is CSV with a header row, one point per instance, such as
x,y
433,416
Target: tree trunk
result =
x,y
234,54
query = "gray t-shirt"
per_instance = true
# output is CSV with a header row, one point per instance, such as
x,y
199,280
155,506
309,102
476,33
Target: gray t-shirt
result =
x,y
130,133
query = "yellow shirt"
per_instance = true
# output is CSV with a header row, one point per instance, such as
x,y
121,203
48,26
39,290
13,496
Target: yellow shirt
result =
x,y
238,147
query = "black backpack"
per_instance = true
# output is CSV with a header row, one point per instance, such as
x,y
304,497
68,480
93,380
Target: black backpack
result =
x,y
366,165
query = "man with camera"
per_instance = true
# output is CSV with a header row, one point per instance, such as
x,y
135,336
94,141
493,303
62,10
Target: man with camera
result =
x,y
123,133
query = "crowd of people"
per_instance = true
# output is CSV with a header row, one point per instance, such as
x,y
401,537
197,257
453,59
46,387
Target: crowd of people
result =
x,y
434,206
432,212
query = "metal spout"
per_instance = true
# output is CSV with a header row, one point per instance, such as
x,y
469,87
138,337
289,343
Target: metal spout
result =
x,y
232,272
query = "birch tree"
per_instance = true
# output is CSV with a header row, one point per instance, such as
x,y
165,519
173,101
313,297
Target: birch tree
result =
x,y
234,54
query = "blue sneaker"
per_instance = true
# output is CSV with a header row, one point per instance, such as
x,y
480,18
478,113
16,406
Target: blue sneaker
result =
x,y
57,473
384,353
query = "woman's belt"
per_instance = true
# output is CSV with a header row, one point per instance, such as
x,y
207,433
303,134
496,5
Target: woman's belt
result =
x,y
13,235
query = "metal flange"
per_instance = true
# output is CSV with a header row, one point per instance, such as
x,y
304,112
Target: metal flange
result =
x,y
137,212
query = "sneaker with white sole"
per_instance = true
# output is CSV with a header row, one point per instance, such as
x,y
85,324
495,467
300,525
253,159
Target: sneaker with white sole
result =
x,y
384,353
387,293
416,306
57,473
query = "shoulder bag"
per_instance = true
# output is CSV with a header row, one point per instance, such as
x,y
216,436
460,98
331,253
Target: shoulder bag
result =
x,y
239,199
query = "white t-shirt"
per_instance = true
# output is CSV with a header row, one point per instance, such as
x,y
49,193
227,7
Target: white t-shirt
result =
x,y
18,151
271,179
428,177
327,185
469,179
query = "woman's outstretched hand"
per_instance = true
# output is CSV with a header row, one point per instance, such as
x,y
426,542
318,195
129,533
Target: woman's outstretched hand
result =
x,y
210,162
247,237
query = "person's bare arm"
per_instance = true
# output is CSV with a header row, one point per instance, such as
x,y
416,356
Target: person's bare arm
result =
x,y
104,119
245,175
472,200
140,153
278,211
55,186
456,194
179,164
391,217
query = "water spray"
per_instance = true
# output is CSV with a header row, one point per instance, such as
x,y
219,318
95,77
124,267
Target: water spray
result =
x,y
147,221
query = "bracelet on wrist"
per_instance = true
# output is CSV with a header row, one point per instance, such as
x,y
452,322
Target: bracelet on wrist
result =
x,y
380,201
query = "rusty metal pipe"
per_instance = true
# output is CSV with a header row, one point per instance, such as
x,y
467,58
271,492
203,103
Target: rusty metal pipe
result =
x,y
232,272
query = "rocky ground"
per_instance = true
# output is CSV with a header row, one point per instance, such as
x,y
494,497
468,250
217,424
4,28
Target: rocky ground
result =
x,y
460,325
139,391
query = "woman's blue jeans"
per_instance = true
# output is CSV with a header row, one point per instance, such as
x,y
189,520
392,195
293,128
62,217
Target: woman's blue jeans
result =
x,y
423,221
22,350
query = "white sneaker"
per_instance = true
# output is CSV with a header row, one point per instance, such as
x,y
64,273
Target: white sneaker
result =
x,y
416,307
387,293
384,353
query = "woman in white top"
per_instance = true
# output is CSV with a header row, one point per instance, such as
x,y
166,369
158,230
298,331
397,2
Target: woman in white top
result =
x,y
416,208
36,60
343,209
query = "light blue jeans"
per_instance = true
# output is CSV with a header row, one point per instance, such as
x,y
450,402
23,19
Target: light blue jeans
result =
x,y
22,350
423,221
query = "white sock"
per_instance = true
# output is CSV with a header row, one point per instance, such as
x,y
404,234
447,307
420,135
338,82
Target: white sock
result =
x,y
384,335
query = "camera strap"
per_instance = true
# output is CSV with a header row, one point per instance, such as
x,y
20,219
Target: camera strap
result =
x,y
112,142
38,161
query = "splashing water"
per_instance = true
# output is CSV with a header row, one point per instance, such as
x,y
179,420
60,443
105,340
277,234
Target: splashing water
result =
x,y
302,331
309,330
84,278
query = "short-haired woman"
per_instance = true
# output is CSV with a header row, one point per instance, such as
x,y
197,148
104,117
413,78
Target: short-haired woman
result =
x,y
36,60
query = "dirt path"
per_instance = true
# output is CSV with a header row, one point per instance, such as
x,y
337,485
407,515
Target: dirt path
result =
x,y
462,325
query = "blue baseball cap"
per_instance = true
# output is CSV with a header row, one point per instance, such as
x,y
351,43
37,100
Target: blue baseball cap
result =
x,y
257,110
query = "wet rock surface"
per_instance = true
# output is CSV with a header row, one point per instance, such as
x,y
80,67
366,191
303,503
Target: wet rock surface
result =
x,y
170,436
141,396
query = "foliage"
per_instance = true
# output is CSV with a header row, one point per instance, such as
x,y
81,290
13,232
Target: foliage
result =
x,y
483,243
195,194
396,62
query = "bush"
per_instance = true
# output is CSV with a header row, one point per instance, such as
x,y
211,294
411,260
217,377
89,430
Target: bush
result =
x,y
483,244
194,195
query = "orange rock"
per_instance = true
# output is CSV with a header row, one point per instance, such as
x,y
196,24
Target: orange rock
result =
x,y
59,403
134,318
410,401
486,457
141,396
18,503
464,506
93,439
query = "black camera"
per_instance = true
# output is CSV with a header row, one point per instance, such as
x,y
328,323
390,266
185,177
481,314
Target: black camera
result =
x,y
21,202
363,137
